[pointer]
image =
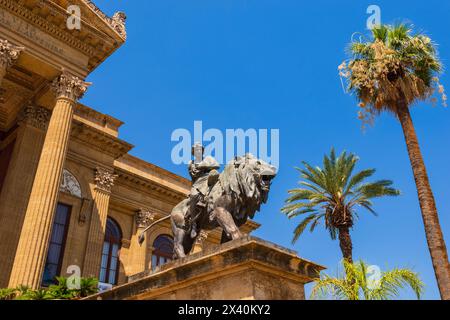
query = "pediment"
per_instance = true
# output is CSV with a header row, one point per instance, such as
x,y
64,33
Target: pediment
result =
x,y
98,37
95,17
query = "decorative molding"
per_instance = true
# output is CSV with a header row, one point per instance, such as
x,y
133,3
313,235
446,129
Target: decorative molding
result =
x,y
103,120
44,24
9,53
98,140
153,169
70,184
144,218
97,41
35,116
118,19
104,179
69,87
153,189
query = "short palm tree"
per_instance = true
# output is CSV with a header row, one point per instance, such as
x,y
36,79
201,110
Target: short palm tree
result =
x,y
356,284
333,194
88,286
390,72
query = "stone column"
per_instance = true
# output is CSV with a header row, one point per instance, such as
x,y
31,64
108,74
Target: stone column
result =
x,y
8,55
35,235
137,260
104,181
33,122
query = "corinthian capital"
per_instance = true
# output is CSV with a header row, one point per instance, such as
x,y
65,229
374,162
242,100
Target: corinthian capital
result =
x,y
8,53
104,179
68,86
144,218
35,116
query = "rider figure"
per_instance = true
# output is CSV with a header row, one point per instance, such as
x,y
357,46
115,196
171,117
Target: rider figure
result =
x,y
204,174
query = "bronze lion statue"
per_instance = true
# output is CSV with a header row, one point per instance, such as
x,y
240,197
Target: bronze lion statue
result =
x,y
225,200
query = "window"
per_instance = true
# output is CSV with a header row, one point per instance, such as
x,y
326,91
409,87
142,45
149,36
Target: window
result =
x,y
109,271
57,243
162,250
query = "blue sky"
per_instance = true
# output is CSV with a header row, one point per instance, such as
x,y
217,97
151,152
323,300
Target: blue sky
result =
x,y
273,64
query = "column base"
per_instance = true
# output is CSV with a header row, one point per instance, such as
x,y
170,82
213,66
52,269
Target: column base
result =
x,y
244,269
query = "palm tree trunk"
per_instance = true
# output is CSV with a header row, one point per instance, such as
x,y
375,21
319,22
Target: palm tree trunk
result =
x,y
345,242
435,239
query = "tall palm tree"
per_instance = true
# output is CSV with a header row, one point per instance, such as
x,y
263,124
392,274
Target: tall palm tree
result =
x,y
390,72
333,194
356,284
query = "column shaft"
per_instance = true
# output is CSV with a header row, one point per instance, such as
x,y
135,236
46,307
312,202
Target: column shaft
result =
x,y
96,236
17,186
33,244
137,261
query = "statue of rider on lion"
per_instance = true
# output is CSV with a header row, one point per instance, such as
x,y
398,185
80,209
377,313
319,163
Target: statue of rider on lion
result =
x,y
225,200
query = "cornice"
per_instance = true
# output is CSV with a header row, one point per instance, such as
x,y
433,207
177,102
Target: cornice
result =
x,y
98,140
104,42
160,191
94,116
107,20
36,20
124,204
144,165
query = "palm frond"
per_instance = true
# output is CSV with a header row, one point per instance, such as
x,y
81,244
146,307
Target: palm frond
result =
x,y
395,64
302,226
354,284
332,193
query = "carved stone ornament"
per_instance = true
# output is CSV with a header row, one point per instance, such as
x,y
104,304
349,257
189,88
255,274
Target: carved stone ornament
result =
x,y
202,237
70,87
84,211
118,23
144,218
104,179
35,116
9,53
70,184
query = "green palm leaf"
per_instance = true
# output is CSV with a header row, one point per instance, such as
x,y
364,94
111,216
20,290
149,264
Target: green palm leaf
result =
x,y
354,284
332,193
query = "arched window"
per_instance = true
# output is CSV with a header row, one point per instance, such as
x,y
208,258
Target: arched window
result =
x,y
162,250
109,271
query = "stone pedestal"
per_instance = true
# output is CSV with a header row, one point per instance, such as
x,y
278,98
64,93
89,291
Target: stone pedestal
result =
x,y
244,269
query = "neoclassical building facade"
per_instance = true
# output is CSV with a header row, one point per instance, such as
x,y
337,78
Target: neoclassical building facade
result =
x,y
71,196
